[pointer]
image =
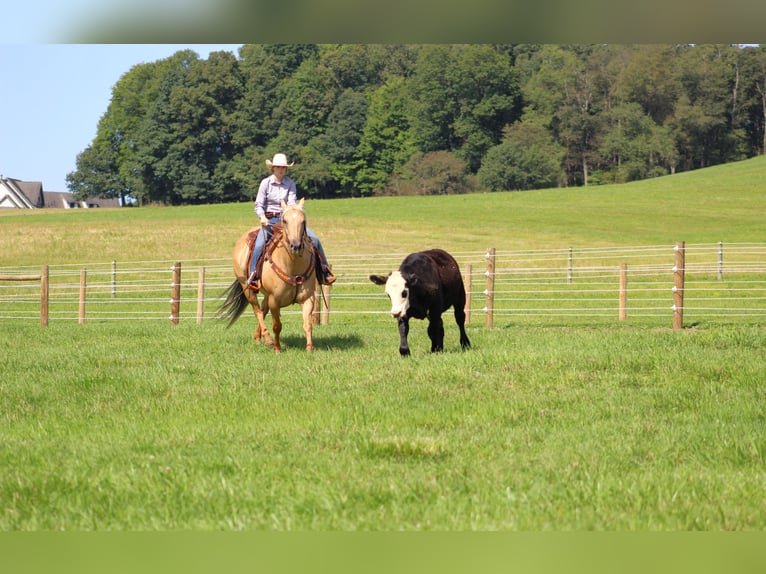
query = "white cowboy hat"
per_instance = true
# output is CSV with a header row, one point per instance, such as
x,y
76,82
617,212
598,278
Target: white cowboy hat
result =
x,y
280,160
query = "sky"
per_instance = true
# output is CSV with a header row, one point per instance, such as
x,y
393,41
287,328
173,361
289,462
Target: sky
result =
x,y
53,95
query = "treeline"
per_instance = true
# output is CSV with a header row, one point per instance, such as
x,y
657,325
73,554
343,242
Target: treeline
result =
x,y
422,119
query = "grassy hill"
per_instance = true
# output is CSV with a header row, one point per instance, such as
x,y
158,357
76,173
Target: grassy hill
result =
x,y
722,203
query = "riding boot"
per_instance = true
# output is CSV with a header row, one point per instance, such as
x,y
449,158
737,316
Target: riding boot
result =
x,y
325,276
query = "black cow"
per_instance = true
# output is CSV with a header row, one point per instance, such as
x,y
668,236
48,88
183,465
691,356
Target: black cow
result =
x,y
426,284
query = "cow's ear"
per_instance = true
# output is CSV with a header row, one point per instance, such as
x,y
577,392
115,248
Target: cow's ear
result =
x,y
379,279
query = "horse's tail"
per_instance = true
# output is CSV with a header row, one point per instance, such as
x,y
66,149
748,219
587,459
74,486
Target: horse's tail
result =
x,y
234,305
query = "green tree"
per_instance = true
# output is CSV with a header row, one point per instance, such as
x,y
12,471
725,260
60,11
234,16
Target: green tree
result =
x,y
155,162
702,120
363,118
188,134
329,157
433,173
759,95
550,96
305,100
353,66
385,145
202,115
649,79
462,98
97,175
627,144
488,97
433,106
264,67
527,158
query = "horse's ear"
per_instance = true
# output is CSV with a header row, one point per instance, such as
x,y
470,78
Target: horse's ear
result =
x,y
301,202
283,204
379,279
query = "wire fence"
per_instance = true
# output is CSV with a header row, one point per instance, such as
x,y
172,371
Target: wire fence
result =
x,y
570,285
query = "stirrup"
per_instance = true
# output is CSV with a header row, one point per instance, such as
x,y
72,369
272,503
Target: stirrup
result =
x,y
254,282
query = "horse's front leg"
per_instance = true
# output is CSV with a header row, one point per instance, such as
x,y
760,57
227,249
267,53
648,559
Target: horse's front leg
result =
x,y
276,326
308,324
260,314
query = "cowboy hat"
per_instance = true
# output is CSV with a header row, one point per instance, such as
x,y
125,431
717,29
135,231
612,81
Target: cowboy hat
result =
x,y
280,160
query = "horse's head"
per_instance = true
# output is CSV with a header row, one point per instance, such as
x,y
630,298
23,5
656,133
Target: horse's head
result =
x,y
294,225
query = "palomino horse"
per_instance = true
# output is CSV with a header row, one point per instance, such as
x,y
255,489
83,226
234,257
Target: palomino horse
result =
x,y
287,278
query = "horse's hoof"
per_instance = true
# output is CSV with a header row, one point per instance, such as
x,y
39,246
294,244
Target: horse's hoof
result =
x,y
309,348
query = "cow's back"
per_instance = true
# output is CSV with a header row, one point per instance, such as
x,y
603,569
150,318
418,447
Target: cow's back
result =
x,y
453,290
439,277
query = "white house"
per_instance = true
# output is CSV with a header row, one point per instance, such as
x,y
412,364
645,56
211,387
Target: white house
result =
x,y
17,194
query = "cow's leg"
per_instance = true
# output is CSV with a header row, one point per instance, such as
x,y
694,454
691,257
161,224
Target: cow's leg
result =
x,y
404,329
460,320
436,331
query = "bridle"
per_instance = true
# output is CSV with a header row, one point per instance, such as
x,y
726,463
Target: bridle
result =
x,y
285,239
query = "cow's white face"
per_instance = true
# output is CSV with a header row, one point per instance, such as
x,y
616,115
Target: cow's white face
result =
x,y
399,293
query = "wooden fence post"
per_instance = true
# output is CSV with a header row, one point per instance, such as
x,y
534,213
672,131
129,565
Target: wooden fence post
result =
x,y
468,272
326,290
569,267
678,286
321,313
316,312
201,296
175,294
623,313
44,282
489,308
83,282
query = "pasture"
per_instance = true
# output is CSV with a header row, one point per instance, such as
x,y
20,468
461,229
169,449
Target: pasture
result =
x,y
140,425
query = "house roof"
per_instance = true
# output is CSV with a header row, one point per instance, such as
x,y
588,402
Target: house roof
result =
x,y
34,191
13,195
67,200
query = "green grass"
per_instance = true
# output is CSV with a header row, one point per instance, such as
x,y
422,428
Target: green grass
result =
x,y
135,426
723,203
542,425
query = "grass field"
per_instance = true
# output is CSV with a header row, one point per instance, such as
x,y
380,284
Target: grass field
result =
x,y
723,203
144,426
